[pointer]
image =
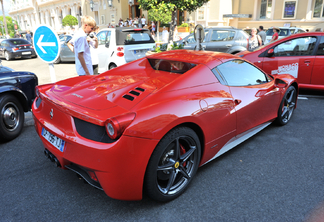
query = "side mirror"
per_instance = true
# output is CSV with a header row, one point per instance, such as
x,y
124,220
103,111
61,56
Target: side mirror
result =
x,y
107,44
270,52
280,83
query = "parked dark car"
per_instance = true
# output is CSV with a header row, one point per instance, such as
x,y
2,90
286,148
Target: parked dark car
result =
x,y
219,39
16,48
17,93
66,55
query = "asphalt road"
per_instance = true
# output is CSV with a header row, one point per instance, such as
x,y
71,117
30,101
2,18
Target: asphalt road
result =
x,y
277,175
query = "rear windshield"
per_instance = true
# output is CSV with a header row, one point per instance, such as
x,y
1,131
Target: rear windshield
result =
x,y
19,42
135,36
282,32
171,65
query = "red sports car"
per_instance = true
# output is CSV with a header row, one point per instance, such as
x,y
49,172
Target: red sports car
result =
x,y
301,55
149,124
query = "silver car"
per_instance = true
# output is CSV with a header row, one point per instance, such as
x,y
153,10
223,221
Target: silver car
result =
x,y
117,46
66,55
219,39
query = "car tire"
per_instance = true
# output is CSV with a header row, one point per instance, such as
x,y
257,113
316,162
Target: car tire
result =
x,y
173,164
7,56
112,66
12,117
57,61
287,106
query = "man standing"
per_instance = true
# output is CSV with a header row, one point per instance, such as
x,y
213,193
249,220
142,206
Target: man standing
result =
x,y
29,37
262,34
83,62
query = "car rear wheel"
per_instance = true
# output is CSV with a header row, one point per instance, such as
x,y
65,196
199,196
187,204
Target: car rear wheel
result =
x,y
7,56
287,106
173,164
112,66
11,117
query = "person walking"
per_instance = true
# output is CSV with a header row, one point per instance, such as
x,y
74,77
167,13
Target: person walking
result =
x,y
275,35
93,43
254,40
17,34
262,34
29,37
83,62
143,20
165,35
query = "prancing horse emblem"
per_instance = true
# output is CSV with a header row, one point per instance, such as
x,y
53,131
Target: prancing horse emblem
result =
x,y
51,114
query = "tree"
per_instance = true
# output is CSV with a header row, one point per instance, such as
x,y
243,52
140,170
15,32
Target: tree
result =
x,y
10,25
173,5
69,20
160,13
3,13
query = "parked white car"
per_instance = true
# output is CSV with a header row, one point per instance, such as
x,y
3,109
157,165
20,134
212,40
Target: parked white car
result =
x,y
117,46
284,32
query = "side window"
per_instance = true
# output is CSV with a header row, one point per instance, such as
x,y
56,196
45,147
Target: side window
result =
x,y
102,37
191,39
221,35
240,73
296,47
320,49
3,43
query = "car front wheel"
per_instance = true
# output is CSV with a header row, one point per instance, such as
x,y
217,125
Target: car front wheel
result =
x,y
173,164
287,106
11,117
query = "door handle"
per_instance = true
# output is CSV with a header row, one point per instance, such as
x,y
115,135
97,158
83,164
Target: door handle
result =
x,y
237,101
307,62
228,45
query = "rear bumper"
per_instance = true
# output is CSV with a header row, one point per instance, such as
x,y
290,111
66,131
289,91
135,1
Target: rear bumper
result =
x,y
23,54
119,166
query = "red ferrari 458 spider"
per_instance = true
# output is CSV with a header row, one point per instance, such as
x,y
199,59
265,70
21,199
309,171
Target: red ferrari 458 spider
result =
x,y
148,125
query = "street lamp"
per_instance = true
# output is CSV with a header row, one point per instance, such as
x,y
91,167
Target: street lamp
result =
x,y
91,5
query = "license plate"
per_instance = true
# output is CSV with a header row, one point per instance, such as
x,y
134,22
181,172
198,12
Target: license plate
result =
x,y
54,140
26,53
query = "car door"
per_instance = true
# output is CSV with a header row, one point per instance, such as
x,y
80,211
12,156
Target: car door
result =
x,y
256,98
104,50
317,77
66,54
220,40
294,57
190,43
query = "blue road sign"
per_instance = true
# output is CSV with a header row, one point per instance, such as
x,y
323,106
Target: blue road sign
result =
x,y
46,43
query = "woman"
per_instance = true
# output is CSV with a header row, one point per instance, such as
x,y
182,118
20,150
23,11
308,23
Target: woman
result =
x,y
275,34
254,40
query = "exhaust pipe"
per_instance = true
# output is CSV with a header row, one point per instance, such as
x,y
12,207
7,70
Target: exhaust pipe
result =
x,y
52,158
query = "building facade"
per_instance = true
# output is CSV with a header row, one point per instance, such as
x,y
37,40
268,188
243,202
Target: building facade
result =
x,y
307,14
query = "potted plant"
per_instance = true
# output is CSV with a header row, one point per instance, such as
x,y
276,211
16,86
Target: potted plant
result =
x,y
184,27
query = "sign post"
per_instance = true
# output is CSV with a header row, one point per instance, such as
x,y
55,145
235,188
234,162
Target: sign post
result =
x,y
47,47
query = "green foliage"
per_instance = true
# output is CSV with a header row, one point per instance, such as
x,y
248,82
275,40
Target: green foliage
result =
x,y
184,25
188,5
160,13
10,26
69,20
176,46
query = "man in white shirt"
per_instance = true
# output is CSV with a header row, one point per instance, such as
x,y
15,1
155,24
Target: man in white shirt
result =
x,y
143,21
83,62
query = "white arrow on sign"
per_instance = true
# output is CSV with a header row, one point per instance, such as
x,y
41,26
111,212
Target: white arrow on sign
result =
x,y
40,44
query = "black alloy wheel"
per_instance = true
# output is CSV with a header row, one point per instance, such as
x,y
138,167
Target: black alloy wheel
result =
x,y
287,106
173,164
12,117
